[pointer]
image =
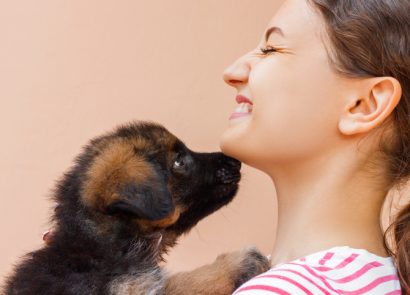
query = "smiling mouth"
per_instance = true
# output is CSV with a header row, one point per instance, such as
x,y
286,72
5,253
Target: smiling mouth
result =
x,y
243,109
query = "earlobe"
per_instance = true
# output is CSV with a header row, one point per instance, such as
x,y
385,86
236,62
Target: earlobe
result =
x,y
365,113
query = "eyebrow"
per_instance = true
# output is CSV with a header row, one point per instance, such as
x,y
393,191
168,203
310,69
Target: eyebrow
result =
x,y
273,30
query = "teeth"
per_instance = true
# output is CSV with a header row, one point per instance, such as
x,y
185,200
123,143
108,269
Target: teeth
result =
x,y
244,108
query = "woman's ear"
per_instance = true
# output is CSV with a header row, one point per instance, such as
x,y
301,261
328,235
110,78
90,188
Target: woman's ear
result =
x,y
366,111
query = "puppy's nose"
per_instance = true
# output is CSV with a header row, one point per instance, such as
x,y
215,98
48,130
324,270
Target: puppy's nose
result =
x,y
234,163
229,171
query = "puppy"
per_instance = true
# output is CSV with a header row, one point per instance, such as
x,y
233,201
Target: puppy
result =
x,y
122,205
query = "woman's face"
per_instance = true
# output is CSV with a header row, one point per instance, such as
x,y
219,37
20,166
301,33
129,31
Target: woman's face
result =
x,y
297,99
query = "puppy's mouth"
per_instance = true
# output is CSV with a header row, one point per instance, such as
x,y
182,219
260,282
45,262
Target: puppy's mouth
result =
x,y
229,173
228,177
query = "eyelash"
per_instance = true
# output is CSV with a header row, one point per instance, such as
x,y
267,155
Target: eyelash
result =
x,y
268,49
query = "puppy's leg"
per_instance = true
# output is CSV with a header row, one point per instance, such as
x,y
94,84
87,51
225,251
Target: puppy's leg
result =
x,y
222,277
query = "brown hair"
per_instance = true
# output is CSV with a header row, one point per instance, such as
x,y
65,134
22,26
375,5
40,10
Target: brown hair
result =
x,y
371,38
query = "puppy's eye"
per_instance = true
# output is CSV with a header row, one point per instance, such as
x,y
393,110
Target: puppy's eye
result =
x,y
178,163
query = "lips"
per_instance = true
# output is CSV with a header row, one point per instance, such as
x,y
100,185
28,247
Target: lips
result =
x,y
240,99
244,108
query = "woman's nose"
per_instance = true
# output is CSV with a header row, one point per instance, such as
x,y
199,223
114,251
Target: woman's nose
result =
x,y
237,73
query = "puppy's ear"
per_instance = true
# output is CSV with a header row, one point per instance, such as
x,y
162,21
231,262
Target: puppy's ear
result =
x,y
119,181
150,201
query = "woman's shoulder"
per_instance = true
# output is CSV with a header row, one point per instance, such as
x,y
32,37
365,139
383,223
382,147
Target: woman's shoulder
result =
x,y
332,271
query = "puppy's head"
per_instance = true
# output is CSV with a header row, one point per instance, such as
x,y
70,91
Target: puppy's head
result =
x,y
143,177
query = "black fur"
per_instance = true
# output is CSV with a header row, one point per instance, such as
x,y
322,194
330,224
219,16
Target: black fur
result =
x,y
145,201
91,248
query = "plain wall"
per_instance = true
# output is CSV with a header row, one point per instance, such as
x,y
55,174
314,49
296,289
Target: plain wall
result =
x,y
71,70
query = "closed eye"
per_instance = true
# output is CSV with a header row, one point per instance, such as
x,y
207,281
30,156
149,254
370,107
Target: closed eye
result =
x,y
268,49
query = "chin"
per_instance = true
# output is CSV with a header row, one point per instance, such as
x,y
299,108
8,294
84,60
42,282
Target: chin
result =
x,y
233,137
241,149
233,146
228,144
241,140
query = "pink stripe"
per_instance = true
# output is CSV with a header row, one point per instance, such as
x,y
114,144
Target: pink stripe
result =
x,y
322,268
264,288
314,274
340,265
397,292
288,280
360,272
370,286
325,258
305,277
347,261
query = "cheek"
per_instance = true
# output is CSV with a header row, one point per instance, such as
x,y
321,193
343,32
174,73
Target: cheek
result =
x,y
293,113
282,113
292,117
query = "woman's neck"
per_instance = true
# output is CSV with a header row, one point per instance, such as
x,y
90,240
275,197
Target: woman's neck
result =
x,y
327,202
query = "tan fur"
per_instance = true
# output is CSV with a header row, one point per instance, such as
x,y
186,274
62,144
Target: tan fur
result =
x,y
147,225
147,284
117,164
217,278
207,279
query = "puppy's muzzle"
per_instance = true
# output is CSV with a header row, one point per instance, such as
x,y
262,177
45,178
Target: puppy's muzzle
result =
x,y
229,170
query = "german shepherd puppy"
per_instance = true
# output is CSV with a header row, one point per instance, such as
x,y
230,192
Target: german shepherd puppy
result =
x,y
128,197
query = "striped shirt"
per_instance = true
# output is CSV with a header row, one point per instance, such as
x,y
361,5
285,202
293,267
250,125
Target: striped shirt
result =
x,y
338,270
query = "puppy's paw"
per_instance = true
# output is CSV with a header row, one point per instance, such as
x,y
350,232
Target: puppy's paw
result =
x,y
244,264
222,277
253,263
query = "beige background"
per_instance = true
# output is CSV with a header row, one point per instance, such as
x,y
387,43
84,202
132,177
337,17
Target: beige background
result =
x,y
70,70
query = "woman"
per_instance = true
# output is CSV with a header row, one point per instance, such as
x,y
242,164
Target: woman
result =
x,y
324,111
